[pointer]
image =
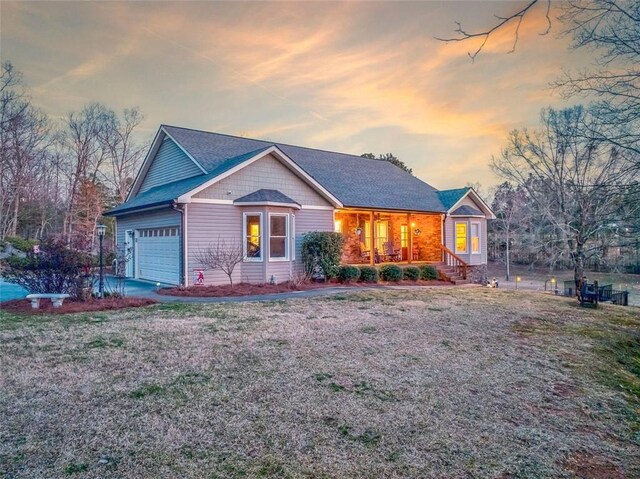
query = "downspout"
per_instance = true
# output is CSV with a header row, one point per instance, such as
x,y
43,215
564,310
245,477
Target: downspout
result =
x,y
443,216
292,241
183,240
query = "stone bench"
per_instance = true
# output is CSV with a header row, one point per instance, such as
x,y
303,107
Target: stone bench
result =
x,y
56,299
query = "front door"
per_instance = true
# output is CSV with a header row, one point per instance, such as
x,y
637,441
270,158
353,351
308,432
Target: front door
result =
x,y
404,241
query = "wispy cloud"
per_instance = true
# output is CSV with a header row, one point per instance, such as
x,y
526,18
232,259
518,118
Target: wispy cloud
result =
x,y
347,76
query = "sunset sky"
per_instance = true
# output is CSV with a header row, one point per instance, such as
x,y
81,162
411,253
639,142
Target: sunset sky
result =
x,y
351,77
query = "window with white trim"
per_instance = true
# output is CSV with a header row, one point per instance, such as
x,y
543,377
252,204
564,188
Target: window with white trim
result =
x,y
252,233
461,237
279,239
292,229
475,238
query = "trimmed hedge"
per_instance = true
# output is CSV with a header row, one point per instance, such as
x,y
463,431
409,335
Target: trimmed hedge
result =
x,y
348,274
391,272
428,272
368,274
412,273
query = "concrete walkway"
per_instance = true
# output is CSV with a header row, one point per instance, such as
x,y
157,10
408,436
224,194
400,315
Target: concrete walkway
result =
x,y
148,289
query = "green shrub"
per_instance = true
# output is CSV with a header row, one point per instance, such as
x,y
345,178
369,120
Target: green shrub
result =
x,y
348,274
428,272
321,254
368,274
22,244
412,273
391,272
55,269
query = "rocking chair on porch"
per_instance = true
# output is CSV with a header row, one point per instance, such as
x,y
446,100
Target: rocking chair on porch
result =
x,y
391,254
365,254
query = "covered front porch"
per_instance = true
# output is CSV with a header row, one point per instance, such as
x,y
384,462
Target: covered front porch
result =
x,y
374,237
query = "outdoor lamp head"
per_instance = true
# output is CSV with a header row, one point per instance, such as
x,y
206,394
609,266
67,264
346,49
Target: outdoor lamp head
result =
x,y
101,230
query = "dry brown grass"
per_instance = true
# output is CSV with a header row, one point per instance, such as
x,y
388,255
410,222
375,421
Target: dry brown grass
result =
x,y
433,383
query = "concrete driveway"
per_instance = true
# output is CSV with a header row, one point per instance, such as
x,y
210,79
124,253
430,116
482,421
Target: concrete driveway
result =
x,y
9,291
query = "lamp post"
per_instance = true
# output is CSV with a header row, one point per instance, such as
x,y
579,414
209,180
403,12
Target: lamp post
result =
x,y
101,231
517,281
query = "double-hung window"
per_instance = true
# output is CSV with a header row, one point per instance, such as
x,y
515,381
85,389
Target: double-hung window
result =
x,y
252,233
279,240
475,238
461,237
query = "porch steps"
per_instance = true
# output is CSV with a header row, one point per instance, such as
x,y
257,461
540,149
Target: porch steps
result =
x,y
449,273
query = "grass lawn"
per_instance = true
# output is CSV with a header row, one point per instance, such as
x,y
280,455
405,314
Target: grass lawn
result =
x,y
448,382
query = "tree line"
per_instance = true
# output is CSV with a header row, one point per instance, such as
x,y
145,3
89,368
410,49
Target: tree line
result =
x,y
571,194
58,176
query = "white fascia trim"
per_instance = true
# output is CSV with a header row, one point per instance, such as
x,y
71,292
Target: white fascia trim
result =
x,y
185,198
142,172
316,207
211,201
141,210
183,150
269,203
476,198
467,216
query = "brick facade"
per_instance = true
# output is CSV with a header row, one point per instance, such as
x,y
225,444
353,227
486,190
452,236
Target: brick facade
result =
x,y
425,229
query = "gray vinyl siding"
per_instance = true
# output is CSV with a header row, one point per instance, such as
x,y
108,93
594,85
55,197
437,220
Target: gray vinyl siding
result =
x,y
208,222
148,219
310,220
170,164
265,173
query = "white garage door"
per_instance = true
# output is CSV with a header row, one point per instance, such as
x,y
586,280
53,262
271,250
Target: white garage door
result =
x,y
158,254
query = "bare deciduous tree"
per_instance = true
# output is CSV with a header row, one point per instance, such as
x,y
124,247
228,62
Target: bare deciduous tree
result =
x,y
25,135
609,28
577,180
508,204
221,256
502,22
123,153
83,135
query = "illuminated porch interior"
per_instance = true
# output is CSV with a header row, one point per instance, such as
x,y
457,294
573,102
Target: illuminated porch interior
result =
x,y
375,237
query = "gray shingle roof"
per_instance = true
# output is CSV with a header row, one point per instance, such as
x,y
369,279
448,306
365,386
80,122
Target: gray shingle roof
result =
x,y
466,210
165,194
266,196
160,195
355,181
